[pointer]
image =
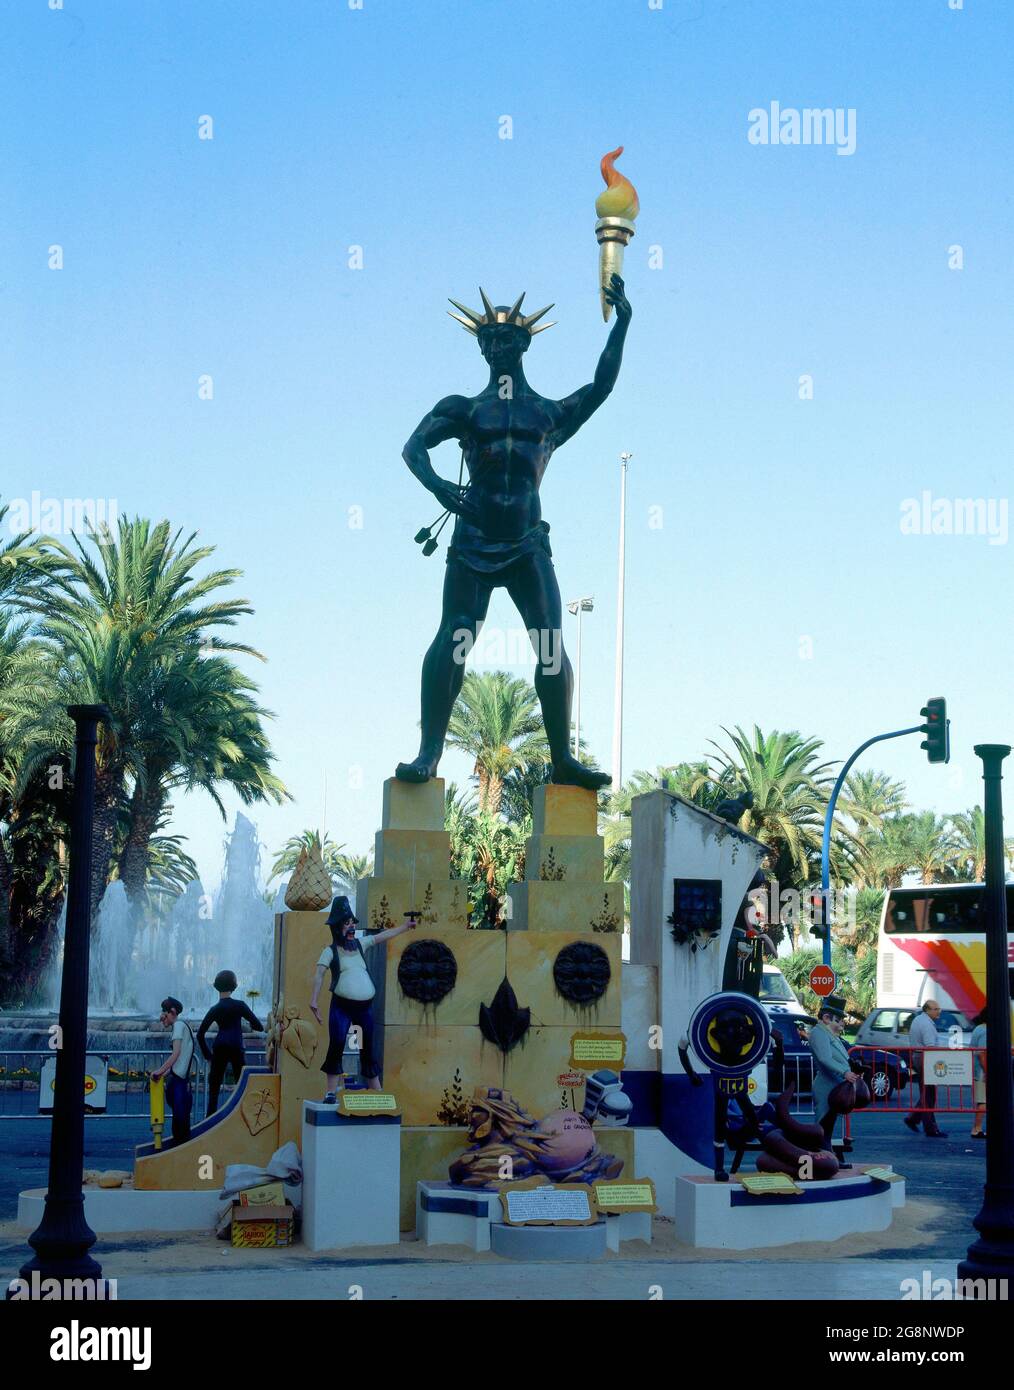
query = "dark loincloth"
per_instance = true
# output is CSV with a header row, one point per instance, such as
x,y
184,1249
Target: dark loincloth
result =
x,y
473,548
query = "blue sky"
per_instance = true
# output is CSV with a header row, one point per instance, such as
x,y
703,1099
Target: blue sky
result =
x,y
381,128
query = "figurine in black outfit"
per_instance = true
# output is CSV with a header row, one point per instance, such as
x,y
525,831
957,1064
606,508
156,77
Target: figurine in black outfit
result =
x,y
227,1048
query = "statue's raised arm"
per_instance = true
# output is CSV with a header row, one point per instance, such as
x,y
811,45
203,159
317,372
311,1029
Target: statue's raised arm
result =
x,y
577,408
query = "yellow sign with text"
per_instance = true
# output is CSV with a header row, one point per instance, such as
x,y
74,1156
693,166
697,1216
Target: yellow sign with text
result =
x,y
367,1103
589,1051
637,1195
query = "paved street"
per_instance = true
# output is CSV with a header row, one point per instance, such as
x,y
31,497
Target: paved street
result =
x,y
945,1173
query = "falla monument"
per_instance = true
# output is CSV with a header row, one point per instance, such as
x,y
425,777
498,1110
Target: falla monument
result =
x,y
534,1100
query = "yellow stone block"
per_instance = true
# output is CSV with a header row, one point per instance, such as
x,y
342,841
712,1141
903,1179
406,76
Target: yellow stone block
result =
x,y
382,902
402,853
531,957
574,907
481,958
426,1155
413,805
434,1070
564,811
299,939
565,858
532,1072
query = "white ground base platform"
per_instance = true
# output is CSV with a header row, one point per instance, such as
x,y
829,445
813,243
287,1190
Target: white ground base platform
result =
x,y
351,1167
115,1210
449,1215
724,1216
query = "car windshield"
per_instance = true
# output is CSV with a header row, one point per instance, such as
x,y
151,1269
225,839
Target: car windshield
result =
x,y
775,986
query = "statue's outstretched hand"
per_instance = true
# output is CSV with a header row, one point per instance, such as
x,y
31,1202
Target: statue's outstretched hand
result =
x,y
614,295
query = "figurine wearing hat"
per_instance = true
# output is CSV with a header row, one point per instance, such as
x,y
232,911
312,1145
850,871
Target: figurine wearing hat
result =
x,y
228,1016
831,1064
352,993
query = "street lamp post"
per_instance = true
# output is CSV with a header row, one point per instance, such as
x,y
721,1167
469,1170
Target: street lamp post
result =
x,y
618,693
63,1238
992,1255
579,606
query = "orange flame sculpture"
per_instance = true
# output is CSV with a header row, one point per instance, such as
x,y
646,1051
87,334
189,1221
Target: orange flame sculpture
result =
x,y
616,209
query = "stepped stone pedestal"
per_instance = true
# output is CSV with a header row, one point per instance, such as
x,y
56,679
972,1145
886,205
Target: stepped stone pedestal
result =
x,y
435,1054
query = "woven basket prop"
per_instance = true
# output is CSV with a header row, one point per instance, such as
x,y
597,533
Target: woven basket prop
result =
x,y
309,888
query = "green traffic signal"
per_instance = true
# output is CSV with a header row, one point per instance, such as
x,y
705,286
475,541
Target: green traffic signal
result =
x,y
937,730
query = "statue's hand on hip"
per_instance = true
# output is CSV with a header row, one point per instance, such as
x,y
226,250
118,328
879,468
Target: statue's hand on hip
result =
x,y
456,500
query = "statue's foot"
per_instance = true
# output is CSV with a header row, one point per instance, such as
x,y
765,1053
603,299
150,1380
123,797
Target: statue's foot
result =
x,y
568,772
419,770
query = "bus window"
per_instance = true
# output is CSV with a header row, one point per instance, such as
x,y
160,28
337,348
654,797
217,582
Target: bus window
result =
x,y
956,912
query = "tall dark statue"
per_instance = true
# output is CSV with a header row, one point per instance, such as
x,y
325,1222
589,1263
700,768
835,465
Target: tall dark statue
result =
x,y
508,433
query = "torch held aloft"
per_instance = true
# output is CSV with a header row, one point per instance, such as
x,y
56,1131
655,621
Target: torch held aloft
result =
x,y
613,235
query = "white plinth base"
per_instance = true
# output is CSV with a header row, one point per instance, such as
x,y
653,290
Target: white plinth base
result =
x,y
113,1210
449,1215
723,1216
351,1177
446,1214
627,1225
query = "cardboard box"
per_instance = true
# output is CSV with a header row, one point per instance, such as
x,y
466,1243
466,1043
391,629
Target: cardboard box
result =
x,y
270,1194
262,1226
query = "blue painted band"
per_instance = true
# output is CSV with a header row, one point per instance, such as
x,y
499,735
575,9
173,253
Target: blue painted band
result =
x,y
839,1192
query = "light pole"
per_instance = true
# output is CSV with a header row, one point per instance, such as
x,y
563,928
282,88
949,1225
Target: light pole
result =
x,y
63,1238
579,606
992,1255
618,693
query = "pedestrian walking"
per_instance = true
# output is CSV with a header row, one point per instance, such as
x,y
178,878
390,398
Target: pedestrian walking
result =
x,y
922,1034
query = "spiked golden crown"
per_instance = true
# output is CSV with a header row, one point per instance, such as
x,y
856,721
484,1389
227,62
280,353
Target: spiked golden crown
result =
x,y
473,321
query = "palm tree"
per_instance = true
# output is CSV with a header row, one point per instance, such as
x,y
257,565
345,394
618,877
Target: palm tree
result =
x,y
968,852
790,790
23,567
889,855
126,627
497,722
871,796
32,817
199,728
350,868
932,846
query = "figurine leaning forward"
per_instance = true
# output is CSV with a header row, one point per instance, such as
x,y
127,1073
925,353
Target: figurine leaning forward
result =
x,y
352,993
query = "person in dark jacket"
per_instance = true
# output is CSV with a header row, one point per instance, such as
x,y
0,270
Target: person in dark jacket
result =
x,y
227,1048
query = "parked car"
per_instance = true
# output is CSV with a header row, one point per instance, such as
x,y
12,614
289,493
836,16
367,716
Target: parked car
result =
x,y
884,1029
890,1027
792,1024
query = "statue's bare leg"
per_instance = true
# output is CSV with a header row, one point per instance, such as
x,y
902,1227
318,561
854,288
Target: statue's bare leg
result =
x,y
465,603
532,584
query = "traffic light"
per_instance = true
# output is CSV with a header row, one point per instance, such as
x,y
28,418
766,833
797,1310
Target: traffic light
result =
x,y
937,741
818,916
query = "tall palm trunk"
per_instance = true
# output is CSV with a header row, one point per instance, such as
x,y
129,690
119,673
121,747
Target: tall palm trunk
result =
x,y
6,942
108,790
145,808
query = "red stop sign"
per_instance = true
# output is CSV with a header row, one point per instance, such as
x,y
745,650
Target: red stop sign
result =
x,y
822,981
